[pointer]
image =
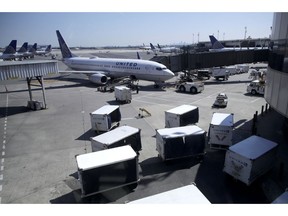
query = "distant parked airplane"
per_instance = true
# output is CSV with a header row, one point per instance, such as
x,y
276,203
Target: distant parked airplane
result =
x,y
169,49
99,69
10,51
217,46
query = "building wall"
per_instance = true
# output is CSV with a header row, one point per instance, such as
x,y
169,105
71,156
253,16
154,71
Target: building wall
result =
x,y
276,91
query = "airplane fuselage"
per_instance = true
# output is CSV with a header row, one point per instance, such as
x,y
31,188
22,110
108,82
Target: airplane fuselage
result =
x,y
113,67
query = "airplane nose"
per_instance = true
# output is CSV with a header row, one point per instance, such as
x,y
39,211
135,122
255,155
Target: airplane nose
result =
x,y
170,74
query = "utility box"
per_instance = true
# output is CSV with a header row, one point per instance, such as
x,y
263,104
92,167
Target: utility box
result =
x,y
189,194
105,170
250,158
179,142
220,134
105,118
124,135
181,116
123,94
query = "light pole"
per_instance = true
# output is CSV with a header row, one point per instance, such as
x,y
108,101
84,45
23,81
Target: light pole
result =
x,y
193,38
245,32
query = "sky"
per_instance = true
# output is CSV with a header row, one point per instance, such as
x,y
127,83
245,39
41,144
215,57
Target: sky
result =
x,y
122,27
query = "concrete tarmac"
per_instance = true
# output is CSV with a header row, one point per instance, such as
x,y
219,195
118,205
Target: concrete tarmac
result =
x,y
38,159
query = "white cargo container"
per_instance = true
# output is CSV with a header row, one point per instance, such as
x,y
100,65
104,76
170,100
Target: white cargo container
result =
x,y
232,70
105,118
220,73
181,116
105,170
220,134
242,68
189,194
250,158
179,142
123,135
123,94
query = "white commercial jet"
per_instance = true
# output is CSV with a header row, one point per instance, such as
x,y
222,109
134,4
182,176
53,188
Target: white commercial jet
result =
x,y
99,69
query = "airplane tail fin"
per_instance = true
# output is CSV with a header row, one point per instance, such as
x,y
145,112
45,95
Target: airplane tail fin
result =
x,y
66,52
159,46
215,43
152,47
138,56
48,49
23,48
11,48
33,48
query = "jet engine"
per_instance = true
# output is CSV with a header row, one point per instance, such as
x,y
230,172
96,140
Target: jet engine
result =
x,y
98,78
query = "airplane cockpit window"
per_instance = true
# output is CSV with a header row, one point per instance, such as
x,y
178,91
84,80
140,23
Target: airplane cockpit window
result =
x,y
159,68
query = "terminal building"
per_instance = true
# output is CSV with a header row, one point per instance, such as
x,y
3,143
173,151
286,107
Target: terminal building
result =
x,y
276,89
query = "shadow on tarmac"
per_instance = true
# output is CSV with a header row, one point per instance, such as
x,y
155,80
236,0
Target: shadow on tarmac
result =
x,y
13,110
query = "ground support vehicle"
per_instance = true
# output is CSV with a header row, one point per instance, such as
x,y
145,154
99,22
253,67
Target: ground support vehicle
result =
x,y
203,74
192,87
180,142
250,159
181,116
105,118
256,87
188,194
220,134
106,170
220,73
123,135
221,100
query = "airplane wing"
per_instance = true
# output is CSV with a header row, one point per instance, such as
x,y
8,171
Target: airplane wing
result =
x,y
88,73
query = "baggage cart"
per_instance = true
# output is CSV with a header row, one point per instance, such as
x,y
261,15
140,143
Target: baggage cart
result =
x,y
105,118
179,142
123,94
250,158
220,134
181,116
106,170
188,194
123,135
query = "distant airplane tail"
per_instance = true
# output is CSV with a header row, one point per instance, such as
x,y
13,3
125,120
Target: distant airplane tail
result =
x,y
11,48
215,43
33,48
159,46
66,52
152,47
48,49
138,56
23,48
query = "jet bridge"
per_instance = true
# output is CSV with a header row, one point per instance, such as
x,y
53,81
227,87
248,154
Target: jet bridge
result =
x,y
29,70
200,60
